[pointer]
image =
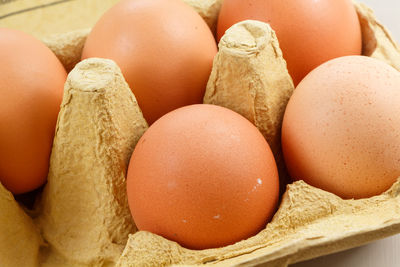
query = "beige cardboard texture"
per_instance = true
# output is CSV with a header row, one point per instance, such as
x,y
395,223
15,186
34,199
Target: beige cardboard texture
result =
x,y
68,47
42,18
309,223
19,238
249,76
83,214
84,208
377,40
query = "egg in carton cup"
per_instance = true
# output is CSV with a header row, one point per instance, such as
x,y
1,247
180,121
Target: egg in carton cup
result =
x,y
82,217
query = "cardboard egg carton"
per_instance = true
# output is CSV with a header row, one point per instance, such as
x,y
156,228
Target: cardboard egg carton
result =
x,y
82,217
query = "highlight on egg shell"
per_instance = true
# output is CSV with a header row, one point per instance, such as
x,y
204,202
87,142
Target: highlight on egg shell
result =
x,y
341,127
31,88
164,49
202,176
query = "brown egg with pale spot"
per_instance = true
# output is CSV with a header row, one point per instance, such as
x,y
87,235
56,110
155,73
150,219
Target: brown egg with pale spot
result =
x,y
31,87
202,176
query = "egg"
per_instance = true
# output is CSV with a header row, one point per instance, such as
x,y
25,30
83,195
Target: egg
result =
x,y
341,128
31,88
203,176
310,32
164,49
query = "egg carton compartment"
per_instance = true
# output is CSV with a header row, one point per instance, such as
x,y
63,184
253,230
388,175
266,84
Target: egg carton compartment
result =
x,y
82,217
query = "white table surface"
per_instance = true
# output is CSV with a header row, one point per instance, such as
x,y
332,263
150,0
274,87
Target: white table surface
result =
x,y
385,252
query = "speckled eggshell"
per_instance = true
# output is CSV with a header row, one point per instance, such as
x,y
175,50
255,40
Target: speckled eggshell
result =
x,y
203,176
341,128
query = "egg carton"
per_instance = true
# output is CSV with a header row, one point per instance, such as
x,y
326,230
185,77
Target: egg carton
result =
x,y
82,216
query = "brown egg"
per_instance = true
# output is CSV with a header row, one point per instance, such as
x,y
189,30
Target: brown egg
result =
x,y
31,87
203,176
341,129
164,49
309,32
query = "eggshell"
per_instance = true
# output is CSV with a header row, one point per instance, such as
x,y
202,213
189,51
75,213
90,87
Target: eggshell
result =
x,y
203,176
164,48
341,127
309,32
31,87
